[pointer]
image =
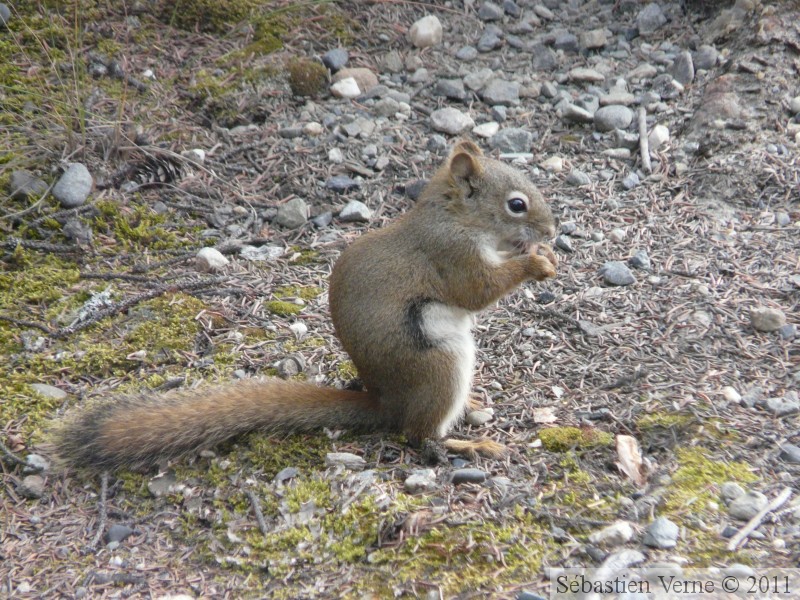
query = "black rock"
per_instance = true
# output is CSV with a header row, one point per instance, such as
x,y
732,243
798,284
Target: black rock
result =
x,y
335,59
118,533
469,475
790,453
546,297
342,183
414,189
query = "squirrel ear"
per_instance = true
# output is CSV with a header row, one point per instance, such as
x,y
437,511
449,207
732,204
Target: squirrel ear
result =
x,y
464,166
467,146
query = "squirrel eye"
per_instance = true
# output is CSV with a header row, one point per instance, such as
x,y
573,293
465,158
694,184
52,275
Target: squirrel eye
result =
x,y
517,205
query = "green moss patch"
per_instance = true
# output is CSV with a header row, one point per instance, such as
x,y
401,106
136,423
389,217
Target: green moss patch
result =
x,y
562,439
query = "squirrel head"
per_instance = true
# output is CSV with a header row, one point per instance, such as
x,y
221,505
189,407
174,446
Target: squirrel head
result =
x,y
495,199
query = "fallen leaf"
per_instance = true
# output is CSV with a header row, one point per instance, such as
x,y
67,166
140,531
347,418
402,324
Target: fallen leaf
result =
x,y
630,459
544,416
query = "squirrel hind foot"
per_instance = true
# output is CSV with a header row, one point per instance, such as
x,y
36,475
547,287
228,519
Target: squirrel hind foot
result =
x,y
479,446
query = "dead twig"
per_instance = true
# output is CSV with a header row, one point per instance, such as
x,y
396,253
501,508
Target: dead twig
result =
x,y
102,509
262,524
753,523
644,144
178,286
9,456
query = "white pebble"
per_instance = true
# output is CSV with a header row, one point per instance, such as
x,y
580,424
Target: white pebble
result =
x,y
299,329
658,137
346,88
335,156
313,129
731,395
486,130
426,32
209,260
554,164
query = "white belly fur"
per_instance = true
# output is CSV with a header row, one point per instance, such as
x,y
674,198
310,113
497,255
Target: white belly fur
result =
x,y
448,328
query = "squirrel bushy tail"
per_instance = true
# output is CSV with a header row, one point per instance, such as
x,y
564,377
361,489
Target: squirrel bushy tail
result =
x,y
138,430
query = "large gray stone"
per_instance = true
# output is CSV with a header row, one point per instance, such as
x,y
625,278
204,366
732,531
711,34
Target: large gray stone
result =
x,y
512,139
74,186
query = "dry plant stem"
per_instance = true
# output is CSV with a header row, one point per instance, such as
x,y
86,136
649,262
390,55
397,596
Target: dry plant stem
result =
x,y
179,286
644,144
12,243
102,509
262,524
31,208
22,323
753,523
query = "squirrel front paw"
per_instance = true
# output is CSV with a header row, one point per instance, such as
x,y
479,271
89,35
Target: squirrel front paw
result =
x,y
542,262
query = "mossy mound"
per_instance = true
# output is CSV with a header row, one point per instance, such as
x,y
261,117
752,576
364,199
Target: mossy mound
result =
x,y
307,77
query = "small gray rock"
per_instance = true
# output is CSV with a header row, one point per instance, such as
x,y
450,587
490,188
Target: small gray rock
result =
x,y
564,243
386,107
748,505
662,533
118,533
767,319
782,219
32,487
625,139
614,116
630,181
345,459
74,186
512,9
478,79
437,143
342,184
578,178
616,534
788,331
577,114
323,219
478,418
650,18
355,211
512,139
292,214
468,475
414,189
36,463
290,133
501,92
451,120
783,406
5,15
543,59
24,185
420,480
593,39
450,88
790,453
739,571
705,57
640,260
569,227
163,484
489,41
616,272
49,391
549,89
467,53
489,11
682,69
335,59
499,113
566,42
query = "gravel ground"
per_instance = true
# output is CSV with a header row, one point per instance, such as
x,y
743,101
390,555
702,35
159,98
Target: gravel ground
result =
x,y
649,392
